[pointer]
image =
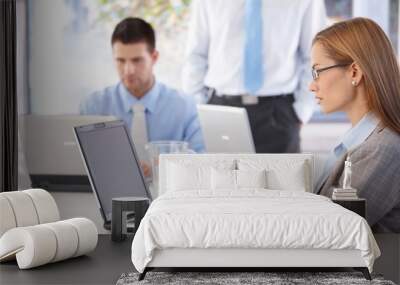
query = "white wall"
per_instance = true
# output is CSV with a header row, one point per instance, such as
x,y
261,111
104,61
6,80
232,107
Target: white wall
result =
x,y
66,65
377,10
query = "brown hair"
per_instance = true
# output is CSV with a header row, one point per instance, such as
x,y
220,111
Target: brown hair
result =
x,y
361,40
134,30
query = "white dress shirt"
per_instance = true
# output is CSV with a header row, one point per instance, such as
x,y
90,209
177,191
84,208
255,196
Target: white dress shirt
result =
x,y
214,55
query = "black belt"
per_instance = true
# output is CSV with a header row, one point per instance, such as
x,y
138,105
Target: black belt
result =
x,y
238,99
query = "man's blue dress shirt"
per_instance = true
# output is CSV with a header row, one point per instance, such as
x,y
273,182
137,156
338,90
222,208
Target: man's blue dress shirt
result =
x,y
170,115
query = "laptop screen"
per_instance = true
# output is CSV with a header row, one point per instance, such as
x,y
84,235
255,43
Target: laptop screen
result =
x,y
111,162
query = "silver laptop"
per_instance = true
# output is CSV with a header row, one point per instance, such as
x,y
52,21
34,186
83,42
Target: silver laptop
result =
x,y
225,129
51,150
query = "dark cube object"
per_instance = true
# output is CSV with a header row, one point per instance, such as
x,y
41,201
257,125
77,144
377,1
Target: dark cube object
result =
x,y
121,207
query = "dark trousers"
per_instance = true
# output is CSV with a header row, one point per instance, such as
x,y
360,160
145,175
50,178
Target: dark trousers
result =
x,y
273,121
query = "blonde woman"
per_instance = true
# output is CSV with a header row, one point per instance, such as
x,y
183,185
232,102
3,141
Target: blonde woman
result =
x,y
355,70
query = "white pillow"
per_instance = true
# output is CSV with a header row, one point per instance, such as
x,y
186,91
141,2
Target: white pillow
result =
x,y
251,178
226,179
223,179
188,177
193,174
290,180
282,174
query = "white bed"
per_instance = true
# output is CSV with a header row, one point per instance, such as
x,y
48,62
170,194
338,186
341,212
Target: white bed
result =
x,y
208,226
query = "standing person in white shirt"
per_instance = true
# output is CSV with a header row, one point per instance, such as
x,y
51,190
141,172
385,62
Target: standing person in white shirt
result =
x,y
255,54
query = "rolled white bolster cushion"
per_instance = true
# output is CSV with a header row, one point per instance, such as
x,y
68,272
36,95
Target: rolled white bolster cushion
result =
x,y
37,245
87,234
67,240
23,208
7,218
33,246
46,207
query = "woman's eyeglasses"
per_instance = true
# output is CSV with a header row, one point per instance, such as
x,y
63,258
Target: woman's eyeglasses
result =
x,y
315,72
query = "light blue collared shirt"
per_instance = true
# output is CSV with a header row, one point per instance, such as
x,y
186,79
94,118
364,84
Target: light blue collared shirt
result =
x,y
351,139
170,115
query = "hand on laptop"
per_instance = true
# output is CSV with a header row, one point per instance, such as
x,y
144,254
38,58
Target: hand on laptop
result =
x,y
145,168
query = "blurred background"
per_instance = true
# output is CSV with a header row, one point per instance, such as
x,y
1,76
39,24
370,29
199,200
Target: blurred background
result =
x,y
68,51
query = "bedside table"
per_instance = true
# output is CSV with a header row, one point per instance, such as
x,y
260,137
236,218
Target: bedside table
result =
x,y
358,206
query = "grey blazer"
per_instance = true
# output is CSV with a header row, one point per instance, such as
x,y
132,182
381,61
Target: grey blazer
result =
x,y
376,175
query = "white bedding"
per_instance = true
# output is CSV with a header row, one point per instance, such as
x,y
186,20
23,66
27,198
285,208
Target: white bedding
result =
x,y
251,218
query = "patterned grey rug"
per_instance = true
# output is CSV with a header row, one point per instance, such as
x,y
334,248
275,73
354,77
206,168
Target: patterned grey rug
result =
x,y
229,278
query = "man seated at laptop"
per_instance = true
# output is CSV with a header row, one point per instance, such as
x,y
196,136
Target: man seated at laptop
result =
x,y
150,109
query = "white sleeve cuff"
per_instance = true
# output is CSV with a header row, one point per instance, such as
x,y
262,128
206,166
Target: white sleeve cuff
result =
x,y
304,110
